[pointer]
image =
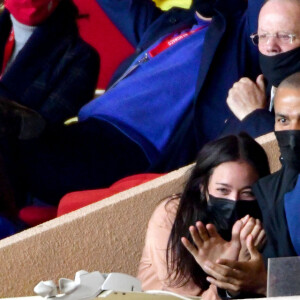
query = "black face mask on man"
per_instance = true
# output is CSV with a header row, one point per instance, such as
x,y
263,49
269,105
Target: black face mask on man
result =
x,y
205,7
225,212
277,67
289,144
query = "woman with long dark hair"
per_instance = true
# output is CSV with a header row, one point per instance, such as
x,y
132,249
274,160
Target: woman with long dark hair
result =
x,y
217,192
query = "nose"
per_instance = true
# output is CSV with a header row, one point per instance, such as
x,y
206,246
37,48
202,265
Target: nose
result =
x,y
272,46
234,196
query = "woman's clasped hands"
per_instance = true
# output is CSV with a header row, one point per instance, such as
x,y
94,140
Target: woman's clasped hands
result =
x,y
235,265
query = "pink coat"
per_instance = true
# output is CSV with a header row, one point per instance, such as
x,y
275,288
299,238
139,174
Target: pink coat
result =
x,y
153,267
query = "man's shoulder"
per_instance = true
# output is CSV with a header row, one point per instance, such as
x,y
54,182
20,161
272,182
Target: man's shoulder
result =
x,y
172,20
285,174
271,189
83,47
272,177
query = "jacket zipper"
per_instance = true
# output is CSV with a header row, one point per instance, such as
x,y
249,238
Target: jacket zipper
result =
x,y
144,59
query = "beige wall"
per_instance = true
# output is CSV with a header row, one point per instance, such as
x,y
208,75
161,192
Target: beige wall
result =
x,y
271,147
106,236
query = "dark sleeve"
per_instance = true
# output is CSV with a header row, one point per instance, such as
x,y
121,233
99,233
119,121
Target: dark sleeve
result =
x,y
75,85
270,192
225,296
132,17
258,123
235,7
251,23
253,10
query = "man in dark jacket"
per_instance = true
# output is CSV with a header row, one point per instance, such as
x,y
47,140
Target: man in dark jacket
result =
x,y
279,193
164,104
44,64
278,42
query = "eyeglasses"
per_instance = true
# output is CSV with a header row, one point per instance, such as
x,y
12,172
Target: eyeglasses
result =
x,y
281,38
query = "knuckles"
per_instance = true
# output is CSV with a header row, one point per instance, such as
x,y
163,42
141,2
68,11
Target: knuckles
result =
x,y
237,287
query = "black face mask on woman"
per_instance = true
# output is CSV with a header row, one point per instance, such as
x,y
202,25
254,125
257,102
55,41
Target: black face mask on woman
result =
x,y
277,67
224,213
289,144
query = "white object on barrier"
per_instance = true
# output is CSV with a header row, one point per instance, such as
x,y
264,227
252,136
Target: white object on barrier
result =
x,y
121,283
87,286
46,289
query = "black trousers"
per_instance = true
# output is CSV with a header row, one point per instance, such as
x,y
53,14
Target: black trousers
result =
x,y
87,155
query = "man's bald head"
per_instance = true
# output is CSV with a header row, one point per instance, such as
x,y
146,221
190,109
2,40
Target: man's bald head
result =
x,y
296,1
279,16
292,81
287,103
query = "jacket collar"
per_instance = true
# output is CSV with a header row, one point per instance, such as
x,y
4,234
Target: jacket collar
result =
x,y
213,39
173,20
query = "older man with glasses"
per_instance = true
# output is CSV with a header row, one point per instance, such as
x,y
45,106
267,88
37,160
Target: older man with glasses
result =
x,y
278,41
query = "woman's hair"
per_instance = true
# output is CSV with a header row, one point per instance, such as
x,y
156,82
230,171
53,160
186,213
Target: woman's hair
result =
x,y
193,204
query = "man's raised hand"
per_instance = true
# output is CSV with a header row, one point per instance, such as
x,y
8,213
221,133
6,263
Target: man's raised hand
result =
x,y
246,96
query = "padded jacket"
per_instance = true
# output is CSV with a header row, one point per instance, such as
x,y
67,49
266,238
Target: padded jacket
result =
x,y
56,71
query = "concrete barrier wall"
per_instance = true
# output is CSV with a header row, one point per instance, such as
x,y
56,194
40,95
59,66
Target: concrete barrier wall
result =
x,y
144,296
270,145
107,236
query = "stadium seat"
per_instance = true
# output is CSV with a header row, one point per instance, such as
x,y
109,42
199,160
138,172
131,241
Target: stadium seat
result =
x,y
34,215
76,200
101,33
